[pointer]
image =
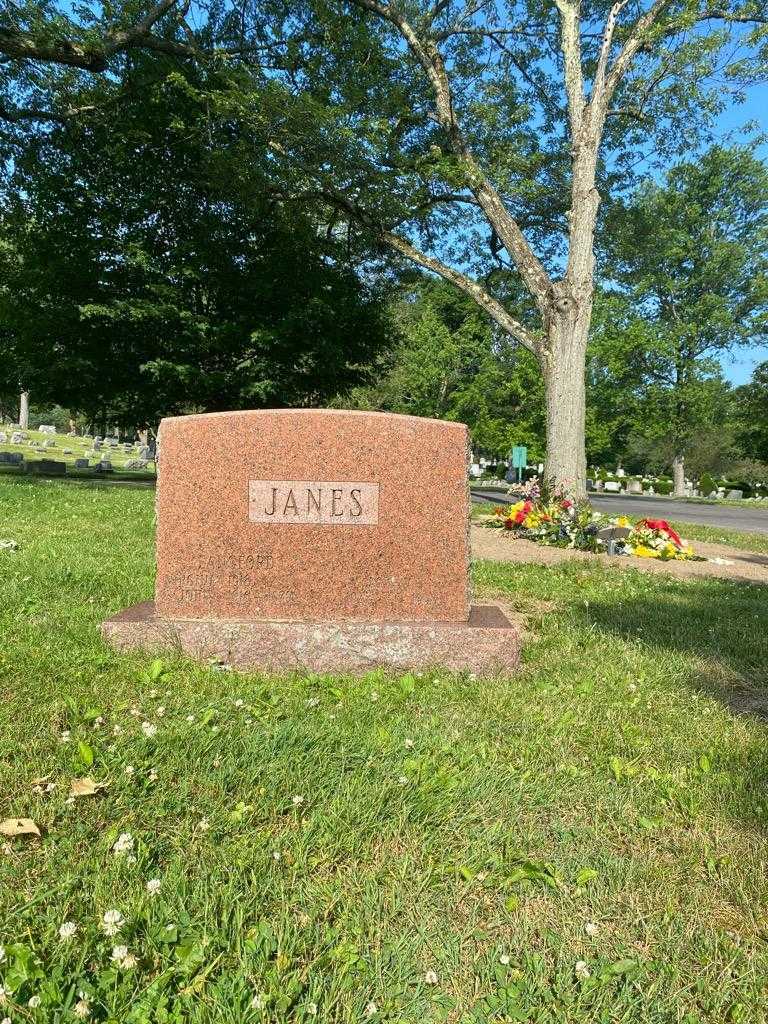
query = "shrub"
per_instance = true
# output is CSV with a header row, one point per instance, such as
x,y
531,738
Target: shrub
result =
x,y
663,487
707,485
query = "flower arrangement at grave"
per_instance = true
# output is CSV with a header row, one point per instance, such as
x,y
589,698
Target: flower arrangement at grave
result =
x,y
563,522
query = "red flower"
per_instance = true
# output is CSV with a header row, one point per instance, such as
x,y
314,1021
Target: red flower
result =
x,y
521,515
663,527
508,524
566,504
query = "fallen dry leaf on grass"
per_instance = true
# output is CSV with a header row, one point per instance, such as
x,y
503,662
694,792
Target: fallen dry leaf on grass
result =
x,y
86,787
19,827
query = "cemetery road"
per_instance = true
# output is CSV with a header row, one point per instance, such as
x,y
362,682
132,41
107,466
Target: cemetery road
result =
x,y
750,519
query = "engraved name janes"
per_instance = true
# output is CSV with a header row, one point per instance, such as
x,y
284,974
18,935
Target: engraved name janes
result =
x,y
323,502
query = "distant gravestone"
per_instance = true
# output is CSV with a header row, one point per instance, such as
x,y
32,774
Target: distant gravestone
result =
x,y
309,538
17,437
612,487
735,494
47,467
15,458
81,463
634,487
97,445
3,437
47,428
105,466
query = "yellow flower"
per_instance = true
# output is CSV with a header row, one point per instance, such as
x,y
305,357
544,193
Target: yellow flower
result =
x,y
644,552
623,521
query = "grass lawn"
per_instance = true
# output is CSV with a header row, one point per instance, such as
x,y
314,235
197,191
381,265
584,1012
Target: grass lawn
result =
x,y
584,842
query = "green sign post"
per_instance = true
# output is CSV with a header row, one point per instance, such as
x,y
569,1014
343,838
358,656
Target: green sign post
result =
x,y
519,460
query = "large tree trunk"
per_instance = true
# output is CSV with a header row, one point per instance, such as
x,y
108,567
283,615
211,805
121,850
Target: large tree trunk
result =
x,y
565,468
678,476
24,410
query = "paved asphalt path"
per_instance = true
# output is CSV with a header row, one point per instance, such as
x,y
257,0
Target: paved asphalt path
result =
x,y
752,520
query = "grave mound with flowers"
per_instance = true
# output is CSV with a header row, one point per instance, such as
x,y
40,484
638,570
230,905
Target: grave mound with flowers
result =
x,y
562,522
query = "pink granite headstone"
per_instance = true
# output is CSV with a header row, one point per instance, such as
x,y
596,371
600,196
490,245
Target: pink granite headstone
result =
x,y
317,538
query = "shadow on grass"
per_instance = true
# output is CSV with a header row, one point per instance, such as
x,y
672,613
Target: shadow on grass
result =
x,y
722,625
145,481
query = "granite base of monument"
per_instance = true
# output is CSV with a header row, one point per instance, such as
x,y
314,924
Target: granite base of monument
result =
x,y
487,644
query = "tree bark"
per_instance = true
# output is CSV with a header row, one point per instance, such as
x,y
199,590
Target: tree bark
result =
x,y
678,476
563,362
24,410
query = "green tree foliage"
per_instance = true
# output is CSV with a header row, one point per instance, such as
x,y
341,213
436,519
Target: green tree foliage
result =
x,y
689,263
148,267
752,415
449,363
465,137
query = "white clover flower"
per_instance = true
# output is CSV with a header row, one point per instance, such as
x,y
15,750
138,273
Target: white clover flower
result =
x,y
34,1002
203,825
257,1003
67,930
631,687
402,780
116,730
98,722
190,718
135,712
504,959
297,800
276,855
129,770
112,922
124,844
472,677
312,1009
374,696
153,693
6,1020
65,737
430,978
371,1009
129,962
119,953
153,776
148,729
82,1009
581,970
591,929
153,886
409,744
160,711
239,703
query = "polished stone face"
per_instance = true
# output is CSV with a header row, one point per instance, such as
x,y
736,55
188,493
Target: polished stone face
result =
x,y
312,515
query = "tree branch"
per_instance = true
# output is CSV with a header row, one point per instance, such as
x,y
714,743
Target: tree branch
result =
x,y
570,44
427,54
470,287
630,48
94,58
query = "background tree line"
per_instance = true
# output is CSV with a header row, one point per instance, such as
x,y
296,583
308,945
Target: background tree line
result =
x,y
488,143
151,263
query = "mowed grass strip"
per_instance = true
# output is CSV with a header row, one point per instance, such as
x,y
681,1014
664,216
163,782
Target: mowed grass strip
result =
x,y
582,842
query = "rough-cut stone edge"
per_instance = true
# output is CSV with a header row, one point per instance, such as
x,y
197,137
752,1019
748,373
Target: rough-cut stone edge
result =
x,y
489,644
